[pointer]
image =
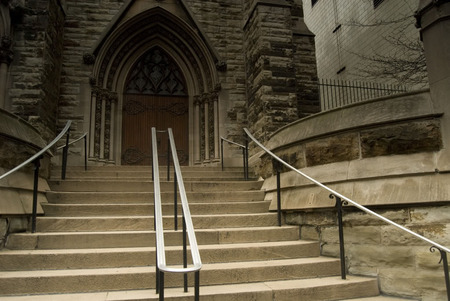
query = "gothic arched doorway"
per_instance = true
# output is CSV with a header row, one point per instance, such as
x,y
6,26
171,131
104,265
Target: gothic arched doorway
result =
x,y
155,95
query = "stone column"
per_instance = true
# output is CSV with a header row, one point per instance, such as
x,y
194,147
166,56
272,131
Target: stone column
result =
x,y
92,124
6,56
206,101
433,17
216,126
197,152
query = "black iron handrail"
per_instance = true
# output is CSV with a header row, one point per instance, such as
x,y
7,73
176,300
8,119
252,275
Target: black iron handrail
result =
x,y
84,137
343,200
188,228
244,153
36,159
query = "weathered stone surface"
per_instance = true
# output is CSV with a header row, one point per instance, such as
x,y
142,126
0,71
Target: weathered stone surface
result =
x,y
333,149
405,266
404,138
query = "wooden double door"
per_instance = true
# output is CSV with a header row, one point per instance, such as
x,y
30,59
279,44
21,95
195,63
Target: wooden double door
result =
x,y
142,112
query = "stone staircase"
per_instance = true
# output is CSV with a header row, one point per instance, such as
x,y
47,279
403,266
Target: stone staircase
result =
x,y
96,242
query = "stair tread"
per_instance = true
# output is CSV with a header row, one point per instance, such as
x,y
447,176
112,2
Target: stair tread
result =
x,y
213,290
151,231
151,216
147,249
151,269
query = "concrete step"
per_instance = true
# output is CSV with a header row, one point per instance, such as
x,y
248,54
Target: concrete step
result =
x,y
129,239
324,288
147,197
91,280
147,186
140,209
147,174
125,168
145,256
146,222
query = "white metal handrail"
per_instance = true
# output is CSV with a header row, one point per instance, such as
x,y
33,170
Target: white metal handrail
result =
x,y
337,194
159,229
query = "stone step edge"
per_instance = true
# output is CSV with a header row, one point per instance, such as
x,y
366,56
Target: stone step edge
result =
x,y
152,249
131,270
268,287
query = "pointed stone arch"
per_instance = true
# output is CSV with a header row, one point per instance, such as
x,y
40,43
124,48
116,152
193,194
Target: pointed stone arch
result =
x,y
126,41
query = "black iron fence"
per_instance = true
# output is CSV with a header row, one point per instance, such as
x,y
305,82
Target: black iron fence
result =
x,y
336,93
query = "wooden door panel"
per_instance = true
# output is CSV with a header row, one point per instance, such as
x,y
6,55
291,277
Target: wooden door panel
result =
x,y
140,114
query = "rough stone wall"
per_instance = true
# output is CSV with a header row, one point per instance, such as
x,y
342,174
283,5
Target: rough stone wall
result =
x,y
280,66
35,71
308,99
404,264
222,23
270,68
85,23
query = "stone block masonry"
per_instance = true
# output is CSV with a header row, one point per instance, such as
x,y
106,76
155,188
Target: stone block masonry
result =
x,y
35,70
404,264
280,66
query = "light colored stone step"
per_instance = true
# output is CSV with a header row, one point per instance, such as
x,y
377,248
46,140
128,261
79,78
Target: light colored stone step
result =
x,y
117,239
147,197
145,256
143,223
324,288
90,280
147,174
140,209
120,185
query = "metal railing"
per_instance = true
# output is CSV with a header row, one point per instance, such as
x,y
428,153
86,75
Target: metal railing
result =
x,y
343,200
335,93
65,149
188,228
244,153
36,160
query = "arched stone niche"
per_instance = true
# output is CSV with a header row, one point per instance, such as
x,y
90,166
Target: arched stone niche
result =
x,y
112,59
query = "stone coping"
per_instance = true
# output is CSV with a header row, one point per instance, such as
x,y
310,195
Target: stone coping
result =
x,y
16,128
377,111
382,180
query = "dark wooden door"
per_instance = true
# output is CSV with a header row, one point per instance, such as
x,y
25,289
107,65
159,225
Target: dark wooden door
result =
x,y
140,114
155,96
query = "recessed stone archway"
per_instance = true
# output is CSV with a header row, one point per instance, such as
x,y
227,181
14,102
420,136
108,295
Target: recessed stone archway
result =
x,y
114,60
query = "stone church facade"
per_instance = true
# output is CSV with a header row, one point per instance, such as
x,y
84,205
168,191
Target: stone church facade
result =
x,y
205,68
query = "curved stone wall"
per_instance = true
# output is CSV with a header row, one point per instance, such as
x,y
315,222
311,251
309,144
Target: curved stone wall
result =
x,y
380,152
18,142
388,154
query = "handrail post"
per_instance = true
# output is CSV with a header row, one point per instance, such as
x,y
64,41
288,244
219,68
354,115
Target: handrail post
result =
x,y
197,286
341,234
64,159
168,159
245,155
221,151
85,153
175,201
161,286
185,255
276,166
445,264
37,164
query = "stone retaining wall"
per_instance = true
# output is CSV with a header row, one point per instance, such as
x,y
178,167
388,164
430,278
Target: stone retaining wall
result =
x,y
404,264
